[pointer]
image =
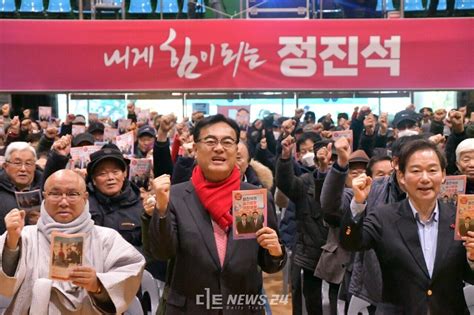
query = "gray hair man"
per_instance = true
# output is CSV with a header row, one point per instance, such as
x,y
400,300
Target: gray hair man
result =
x,y
19,174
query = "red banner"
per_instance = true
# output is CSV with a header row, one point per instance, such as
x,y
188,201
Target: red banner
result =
x,y
191,55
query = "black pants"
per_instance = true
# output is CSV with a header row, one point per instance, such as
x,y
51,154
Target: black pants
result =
x,y
296,294
313,297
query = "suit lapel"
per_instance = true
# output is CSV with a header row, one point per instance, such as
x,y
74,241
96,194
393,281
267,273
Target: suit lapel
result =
x,y
409,232
445,235
203,222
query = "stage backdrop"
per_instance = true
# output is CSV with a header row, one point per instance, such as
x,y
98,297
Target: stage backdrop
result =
x,y
236,55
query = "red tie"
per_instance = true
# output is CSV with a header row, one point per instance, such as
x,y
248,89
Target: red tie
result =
x,y
221,241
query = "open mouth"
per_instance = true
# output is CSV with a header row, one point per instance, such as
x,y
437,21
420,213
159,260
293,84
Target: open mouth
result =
x,y
218,160
425,189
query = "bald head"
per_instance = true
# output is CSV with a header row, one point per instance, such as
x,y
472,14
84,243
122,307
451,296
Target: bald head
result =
x,y
65,196
65,175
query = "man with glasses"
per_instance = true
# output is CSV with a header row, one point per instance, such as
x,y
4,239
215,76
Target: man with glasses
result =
x,y
193,223
115,201
106,282
19,174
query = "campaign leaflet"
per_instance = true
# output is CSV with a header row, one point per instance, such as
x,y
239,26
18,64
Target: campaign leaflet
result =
x,y
78,129
452,187
123,125
143,117
249,211
140,171
45,113
342,134
125,143
67,252
110,134
29,200
464,216
80,156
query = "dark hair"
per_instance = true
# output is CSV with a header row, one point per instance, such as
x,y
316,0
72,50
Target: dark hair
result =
x,y
243,109
375,159
309,114
400,142
342,115
212,120
412,147
313,136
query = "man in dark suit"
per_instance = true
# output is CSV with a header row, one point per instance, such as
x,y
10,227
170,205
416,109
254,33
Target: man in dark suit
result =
x,y
465,225
257,221
422,266
192,223
243,226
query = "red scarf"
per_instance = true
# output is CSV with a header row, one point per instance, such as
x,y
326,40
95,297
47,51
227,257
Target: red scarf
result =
x,y
217,197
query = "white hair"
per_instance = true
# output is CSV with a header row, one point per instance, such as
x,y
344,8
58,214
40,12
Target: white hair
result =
x,y
18,146
465,146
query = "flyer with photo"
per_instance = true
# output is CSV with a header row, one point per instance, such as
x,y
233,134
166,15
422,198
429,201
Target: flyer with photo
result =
x,y
123,125
110,134
125,143
87,150
249,211
78,129
140,171
464,216
67,252
29,200
143,116
76,158
45,113
80,156
342,134
452,187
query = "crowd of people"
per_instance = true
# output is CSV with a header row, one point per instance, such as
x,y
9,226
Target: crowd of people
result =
x,y
354,202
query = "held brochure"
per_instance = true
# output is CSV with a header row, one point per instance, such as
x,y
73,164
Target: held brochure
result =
x,y
249,211
464,216
67,252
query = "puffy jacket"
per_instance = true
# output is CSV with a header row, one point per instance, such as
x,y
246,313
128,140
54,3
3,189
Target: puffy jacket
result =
x,y
304,191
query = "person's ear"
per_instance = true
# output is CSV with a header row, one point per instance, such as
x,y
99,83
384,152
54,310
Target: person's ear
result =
x,y
401,177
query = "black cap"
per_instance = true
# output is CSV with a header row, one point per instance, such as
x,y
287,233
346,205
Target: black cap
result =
x,y
405,115
81,138
146,130
96,126
108,152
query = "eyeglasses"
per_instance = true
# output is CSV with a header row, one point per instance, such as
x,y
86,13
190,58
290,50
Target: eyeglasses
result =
x,y
212,142
20,164
70,196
